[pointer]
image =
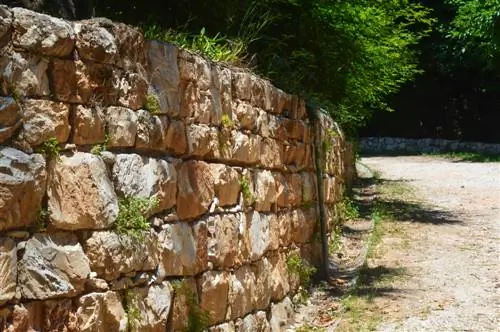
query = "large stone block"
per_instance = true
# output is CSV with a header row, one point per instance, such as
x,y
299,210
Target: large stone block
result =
x,y
246,116
203,141
89,126
295,156
8,269
258,234
274,232
183,249
122,126
22,186
112,255
40,33
10,117
43,120
195,189
224,243
80,194
214,287
303,224
52,265
146,177
281,314
241,288
279,285
244,148
101,312
308,187
242,85
5,21
95,43
258,98
151,131
265,191
185,291
133,90
226,184
262,290
271,153
176,140
285,227
225,327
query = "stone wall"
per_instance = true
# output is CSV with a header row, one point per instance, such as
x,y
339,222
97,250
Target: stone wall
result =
x,y
423,145
91,114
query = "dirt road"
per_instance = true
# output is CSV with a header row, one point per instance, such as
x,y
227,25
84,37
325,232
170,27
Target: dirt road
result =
x,y
452,252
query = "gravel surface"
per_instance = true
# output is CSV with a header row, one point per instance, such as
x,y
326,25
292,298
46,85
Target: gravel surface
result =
x,y
453,261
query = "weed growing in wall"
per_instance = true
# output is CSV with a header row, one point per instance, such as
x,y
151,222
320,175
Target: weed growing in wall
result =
x,y
50,148
132,311
41,220
348,209
226,121
99,148
14,92
132,213
152,105
198,320
248,195
299,267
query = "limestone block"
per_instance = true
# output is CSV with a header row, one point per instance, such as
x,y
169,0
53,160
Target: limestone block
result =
x,y
295,156
258,234
253,323
153,304
10,117
262,290
264,190
241,288
225,90
95,43
246,116
40,33
146,177
22,182
112,255
89,126
278,100
165,77
274,232
85,82
245,148
24,74
52,265
214,287
308,187
8,269
242,85
279,285
122,126
271,153
226,184
176,140
294,189
303,224
42,120
224,240
195,190
330,189
281,314
133,90
183,290
258,97
203,141
285,228
101,312
151,131
182,249
80,194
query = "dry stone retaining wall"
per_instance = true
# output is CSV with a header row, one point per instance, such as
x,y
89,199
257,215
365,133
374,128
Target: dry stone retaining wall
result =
x,y
228,157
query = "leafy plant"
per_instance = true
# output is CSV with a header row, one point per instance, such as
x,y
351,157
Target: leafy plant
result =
x,y
152,104
99,148
50,148
131,309
297,266
348,209
226,121
248,195
132,213
14,92
198,320
41,221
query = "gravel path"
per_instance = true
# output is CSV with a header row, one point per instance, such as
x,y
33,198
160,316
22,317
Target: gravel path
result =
x,y
452,262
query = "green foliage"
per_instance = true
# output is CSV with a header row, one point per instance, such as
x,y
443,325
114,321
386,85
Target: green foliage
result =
x,y
248,195
297,266
198,319
50,148
99,148
348,209
469,156
42,218
132,213
131,309
152,105
226,121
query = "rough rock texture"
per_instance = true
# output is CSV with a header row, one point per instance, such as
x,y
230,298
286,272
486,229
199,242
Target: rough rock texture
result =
x,y
8,269
280,314
10,117
226,185
51,265
22,186
214,287
265,190
89,125
80,194
195,189
101,312
153,304
122,126
224,239
241,288
251,323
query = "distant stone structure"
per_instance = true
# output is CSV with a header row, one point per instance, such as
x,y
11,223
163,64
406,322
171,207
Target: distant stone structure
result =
x,y
66,9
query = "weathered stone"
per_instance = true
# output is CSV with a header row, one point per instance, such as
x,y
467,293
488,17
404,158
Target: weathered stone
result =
x,y
88,125
183,249
22,186
246,116
185,291
80,194
303,224
112,255
203,141
278,100
146,177
285,228
265,191
133,91
24,75
274,232
101,312
294,189
294,156
308,187
85,82
151,131
214,287
96,285
42,120
176,140
245,148
271,153
258,94
258,234
281,314
10,118
241,288
224,239
193,67
52,265
95,43
225,90
242,85
279,285
226,327
5,22
253,323
8,269
195,189
226,184
153,304
40,33
164,73
261,296
331,189
122,126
